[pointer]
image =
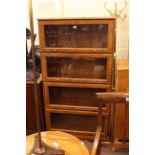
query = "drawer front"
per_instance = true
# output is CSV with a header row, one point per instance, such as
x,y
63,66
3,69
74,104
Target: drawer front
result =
x,y
88,35
75,122
85,68
73,96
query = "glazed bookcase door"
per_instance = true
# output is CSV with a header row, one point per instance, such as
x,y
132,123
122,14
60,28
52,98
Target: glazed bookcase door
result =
x,y
84,35
75,122
73,96
84,68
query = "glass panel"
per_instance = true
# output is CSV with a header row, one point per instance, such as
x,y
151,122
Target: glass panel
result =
x,y
74,122
89,68
74,96
76,36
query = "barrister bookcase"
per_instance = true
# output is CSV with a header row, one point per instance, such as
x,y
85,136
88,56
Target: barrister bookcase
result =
x,y
77,62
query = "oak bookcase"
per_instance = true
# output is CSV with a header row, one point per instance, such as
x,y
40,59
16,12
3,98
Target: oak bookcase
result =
x,y
77,61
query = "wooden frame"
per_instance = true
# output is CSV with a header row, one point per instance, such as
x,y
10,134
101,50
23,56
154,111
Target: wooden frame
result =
x,y
78,21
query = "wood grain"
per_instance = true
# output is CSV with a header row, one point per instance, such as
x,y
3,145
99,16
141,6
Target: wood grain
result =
x,y
69,143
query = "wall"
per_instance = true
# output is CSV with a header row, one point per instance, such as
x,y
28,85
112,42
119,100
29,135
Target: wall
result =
x,y
83,8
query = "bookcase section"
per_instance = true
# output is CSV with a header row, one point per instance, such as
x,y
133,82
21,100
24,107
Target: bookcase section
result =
x,y
85,68
87,35
73,96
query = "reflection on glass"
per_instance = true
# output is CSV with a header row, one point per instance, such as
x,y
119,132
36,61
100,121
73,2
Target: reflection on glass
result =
x,y
77,36
74,122
90,68
74,96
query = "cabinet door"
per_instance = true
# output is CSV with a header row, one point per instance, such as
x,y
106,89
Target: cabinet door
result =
x,y
85,35
73,96
76,122
83,68
31,126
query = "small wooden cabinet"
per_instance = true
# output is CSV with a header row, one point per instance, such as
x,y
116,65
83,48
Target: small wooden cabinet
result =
x,y
122,85
77,62
31,126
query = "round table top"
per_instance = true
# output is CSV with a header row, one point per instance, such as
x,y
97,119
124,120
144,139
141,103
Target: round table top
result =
x,y
67,142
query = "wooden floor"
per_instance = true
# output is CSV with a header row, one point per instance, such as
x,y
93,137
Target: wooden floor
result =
x,y
108,151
